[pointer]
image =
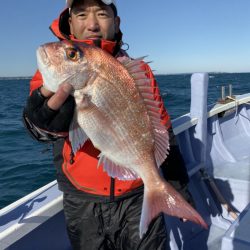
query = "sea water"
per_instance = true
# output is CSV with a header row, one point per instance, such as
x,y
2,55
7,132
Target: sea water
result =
x,y
26,164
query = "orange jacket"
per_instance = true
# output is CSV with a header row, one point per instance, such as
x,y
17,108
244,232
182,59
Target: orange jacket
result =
x,y
81,168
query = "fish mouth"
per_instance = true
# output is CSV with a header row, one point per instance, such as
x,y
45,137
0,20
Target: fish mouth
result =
x,y
43,63
42,57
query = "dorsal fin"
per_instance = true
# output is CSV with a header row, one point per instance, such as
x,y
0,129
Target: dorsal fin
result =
x,y
138,71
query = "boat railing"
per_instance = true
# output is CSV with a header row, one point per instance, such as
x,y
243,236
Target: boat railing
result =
x,y
185,122
28,213
193,129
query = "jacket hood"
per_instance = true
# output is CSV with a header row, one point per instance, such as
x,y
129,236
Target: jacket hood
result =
x,y
60,28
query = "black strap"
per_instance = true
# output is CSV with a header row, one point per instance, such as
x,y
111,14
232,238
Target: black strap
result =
x,y
98,43
112,190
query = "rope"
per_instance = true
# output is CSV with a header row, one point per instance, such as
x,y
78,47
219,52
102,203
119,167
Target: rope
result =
x,y
234,99
230,209
236,107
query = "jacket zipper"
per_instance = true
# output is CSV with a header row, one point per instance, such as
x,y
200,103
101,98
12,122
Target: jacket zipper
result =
x,y
112,189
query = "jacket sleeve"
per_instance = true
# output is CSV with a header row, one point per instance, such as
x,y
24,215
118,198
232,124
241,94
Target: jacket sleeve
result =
x,y
40,120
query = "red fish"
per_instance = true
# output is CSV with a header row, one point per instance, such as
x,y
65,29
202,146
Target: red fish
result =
x,y
116,110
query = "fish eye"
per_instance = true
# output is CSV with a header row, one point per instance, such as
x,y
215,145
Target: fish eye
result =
x,y
72,54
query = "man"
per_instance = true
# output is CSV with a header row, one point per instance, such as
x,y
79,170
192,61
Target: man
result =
x,y
101,212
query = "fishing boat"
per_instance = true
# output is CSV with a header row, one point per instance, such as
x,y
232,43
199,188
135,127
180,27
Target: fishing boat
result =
x,y
215,143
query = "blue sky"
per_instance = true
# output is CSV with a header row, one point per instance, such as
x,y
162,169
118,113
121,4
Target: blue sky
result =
x,y
179,36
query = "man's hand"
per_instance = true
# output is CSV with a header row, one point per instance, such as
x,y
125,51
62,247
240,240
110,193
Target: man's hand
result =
x,y
50,111
57,99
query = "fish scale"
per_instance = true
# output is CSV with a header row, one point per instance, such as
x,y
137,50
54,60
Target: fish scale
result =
x,y
106,104
119,115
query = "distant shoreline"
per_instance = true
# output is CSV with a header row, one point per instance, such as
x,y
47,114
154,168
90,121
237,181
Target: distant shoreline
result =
x,y
159,74
15,78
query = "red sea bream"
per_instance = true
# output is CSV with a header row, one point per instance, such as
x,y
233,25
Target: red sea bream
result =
x,y
116,110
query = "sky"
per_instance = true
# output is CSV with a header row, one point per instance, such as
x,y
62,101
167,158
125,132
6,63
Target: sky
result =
x,y
178,36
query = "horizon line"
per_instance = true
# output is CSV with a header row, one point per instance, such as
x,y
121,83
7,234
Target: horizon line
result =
x,y
156,74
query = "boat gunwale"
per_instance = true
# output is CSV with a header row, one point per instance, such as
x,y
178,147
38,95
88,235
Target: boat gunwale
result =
x,y
180,125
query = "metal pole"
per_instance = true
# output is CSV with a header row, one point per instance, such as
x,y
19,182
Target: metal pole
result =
x,y
223,96
230,88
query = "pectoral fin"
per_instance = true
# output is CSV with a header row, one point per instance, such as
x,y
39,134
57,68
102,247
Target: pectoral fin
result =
x,y
77,136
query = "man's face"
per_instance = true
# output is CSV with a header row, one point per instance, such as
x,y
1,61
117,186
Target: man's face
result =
x,y
90,20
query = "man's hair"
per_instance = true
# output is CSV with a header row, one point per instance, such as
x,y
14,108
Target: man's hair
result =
x,y
100,4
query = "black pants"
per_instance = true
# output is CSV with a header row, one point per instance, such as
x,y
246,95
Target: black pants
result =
x,y
113,225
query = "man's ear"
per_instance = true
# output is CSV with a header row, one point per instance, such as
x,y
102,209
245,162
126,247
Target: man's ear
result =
x,y
117,24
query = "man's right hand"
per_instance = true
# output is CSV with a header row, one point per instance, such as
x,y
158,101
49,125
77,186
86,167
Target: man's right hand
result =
x,y
56,100
51,111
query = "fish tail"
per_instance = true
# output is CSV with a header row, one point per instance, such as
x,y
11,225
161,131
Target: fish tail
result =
x,y
164,198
